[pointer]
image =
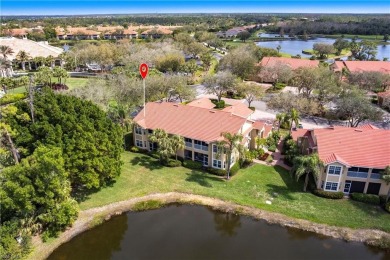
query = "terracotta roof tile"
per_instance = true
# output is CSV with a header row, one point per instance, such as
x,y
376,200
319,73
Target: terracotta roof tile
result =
x,y
361,66
293,63
365,147
188,121
239,109
202,102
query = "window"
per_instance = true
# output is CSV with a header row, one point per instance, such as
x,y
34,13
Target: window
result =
x,y
332,186
357,172
150,131
138,143
188,142
138,130
215,148
201,145
335,170
217,164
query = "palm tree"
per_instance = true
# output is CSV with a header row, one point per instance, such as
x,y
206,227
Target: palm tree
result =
x,y
386,178
178,143
294,117
49,60
230,143
60,74
278,48
280,117
306,164
6,51
23,56
164,143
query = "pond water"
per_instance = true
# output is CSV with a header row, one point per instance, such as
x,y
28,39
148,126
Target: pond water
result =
x,y
197,232
294,47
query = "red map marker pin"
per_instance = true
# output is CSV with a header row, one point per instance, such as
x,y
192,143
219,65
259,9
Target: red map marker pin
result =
x,y
143,70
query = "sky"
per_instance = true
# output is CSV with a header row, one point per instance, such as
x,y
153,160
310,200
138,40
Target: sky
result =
x,y
77,7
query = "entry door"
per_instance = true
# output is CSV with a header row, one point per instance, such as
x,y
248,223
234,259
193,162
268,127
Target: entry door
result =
x,y
347,186
357,186
373,188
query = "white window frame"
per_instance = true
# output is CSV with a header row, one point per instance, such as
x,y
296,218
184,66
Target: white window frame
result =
x,y
138,130
331,186
218,164
334,170
138,142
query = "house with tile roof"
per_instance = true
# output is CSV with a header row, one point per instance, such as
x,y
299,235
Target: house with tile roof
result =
x,y
353,158
361,66
201,126
293,64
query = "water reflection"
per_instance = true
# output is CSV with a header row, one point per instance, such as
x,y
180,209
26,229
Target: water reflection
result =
x,y
195,232
226,223
103,239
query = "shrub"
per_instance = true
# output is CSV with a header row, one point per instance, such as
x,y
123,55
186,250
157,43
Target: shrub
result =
x,y
279,86
269,159
328,194
11,98
192,164
154,155
218,172
382,199
128,141
366,198
173,163
135,149
387,207
220,104
235,168
272,148
252,108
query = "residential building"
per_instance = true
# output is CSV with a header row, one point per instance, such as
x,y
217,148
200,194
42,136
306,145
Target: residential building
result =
x,y
21,33
200,125
361,66
293,64
353,158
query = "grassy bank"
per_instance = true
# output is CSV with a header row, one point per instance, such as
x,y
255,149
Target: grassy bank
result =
x,y
143,175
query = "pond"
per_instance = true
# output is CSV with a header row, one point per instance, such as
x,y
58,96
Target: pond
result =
x,y
294,47
197,232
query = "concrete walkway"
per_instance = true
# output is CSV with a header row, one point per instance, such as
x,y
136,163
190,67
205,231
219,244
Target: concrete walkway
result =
x,y
277,158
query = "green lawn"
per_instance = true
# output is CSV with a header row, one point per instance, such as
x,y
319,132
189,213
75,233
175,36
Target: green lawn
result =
x,y
344,52
70,82
143,175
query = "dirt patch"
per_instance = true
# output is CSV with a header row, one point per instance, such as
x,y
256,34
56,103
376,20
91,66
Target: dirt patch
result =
x,y
89,218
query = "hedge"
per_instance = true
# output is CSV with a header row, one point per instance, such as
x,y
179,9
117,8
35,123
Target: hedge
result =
x,y
387,207
192,164
11,98
235,168
328,194
128,141
218,172
366,198
173,163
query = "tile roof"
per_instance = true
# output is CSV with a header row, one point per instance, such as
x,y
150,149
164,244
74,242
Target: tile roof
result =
x,y
202,102
361,66
34,49
189,121
293,63
366,146
384,94
158,30
239,109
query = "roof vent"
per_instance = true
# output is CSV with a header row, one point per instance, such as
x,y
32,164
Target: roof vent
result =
x,y
358,130
176,105
212,111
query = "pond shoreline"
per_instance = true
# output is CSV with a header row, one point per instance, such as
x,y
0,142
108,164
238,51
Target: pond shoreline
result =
x,y
90,218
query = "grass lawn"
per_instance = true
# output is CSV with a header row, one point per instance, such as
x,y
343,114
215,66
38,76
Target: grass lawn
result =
x,y
70,82
344,52
142,175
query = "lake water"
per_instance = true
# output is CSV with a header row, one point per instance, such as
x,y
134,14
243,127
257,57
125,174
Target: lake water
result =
x,y
294,47
196,232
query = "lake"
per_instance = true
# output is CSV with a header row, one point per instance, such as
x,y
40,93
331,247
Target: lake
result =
x,y
197,232
294,47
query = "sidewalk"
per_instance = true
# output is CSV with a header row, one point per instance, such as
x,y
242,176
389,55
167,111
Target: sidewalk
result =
x,y
277,158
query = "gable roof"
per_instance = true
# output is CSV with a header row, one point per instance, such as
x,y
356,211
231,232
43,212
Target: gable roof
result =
x,y
239,109
362,66
292,63
202,102
189,121
366,146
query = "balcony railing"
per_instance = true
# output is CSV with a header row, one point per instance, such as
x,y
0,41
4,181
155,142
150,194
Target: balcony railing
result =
x,y
375,176
201,147
188,144
357,174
